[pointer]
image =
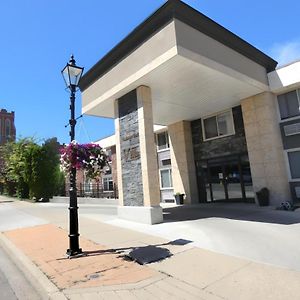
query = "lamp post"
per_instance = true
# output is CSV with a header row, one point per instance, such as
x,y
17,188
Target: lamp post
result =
x,y
72,75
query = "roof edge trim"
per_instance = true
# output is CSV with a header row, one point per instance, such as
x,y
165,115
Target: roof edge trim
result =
x,y
173,9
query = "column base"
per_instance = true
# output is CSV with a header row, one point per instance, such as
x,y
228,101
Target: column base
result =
x,y
141,214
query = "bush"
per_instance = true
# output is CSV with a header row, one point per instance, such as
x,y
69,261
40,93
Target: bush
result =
x,y
31,170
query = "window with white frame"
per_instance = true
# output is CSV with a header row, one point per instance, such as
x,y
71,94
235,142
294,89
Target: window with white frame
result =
x,y
294,162
162,140
166,178
219,125
108,184
289,104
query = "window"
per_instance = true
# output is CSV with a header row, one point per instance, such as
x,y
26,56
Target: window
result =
x,y
107,169
294,161
108,184
166,178
289,105
108,153
166,162
218,126
162,140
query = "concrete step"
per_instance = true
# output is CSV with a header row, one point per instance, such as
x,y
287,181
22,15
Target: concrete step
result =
x,y
86,200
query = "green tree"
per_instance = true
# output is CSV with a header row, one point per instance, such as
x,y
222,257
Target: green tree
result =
x,y
33,169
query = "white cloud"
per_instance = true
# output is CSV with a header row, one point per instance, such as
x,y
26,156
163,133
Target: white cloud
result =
x,y
286,52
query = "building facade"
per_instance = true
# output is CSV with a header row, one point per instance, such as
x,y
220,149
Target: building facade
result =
x,y
7,126
231,118
106,185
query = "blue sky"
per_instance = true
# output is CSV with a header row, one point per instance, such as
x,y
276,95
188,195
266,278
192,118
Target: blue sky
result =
x,y
38,36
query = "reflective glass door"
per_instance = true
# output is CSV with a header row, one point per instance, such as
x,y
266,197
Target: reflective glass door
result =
x,y
217,183
225,179
233,182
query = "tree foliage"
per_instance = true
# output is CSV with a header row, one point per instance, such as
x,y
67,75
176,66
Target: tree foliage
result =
x,y
31,170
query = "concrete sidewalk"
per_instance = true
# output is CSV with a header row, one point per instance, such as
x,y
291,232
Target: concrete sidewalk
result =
x,y
190,273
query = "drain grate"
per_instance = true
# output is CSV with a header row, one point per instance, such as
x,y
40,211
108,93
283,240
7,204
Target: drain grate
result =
x,y
149,254
94,276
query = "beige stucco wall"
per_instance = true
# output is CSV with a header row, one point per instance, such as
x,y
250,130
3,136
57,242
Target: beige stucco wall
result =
x,y
147,148
265,146
182,160
155,47
217,52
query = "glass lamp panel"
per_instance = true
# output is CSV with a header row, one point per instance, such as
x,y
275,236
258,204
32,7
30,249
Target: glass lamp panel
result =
x,y
65,74
74,74
210,128
225,123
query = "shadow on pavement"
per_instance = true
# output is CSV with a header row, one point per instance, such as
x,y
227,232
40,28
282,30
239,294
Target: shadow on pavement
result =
x,y
142,255
242,212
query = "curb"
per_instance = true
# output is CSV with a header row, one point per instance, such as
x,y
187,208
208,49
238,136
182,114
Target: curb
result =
x,y
33,274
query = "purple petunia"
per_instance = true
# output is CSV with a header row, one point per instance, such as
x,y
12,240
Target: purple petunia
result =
x,y
89,157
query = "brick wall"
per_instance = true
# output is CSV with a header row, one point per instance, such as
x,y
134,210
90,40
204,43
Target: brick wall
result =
x,y
7,126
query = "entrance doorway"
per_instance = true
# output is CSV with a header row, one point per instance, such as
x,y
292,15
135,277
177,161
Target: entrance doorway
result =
x,y
225,179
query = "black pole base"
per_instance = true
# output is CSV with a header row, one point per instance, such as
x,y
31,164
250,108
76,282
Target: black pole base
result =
x,y
74,253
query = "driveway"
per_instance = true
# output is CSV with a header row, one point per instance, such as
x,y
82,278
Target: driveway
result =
x,y
243,230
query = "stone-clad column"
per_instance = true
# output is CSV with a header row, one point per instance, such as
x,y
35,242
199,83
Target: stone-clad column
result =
x,y
136,156
265,146
182,161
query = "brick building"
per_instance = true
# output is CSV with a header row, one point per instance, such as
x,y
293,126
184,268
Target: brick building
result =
x,y
7,133
7,126
106,185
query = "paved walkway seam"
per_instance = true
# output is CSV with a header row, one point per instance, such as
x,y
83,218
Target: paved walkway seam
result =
x,y
34,275
121,287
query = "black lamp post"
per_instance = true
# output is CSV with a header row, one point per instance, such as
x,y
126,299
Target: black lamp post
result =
x,y
72,75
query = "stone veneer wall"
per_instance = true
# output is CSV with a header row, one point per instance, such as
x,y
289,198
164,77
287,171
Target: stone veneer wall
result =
x,y
229,145
130,150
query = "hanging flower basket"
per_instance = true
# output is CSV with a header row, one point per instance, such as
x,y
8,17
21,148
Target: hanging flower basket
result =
x,y
88,157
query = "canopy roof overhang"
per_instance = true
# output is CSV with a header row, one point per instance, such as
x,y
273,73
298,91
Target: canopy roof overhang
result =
x,y
193,66
286,78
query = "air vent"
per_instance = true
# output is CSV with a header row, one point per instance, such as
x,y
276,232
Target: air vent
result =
x,y
292,129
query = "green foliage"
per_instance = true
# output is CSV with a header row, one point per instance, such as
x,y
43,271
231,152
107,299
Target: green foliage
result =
x,y
33,170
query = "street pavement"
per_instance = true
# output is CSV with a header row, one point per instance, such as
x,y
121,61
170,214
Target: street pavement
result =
x,y
13,284
6,290
260,234
192,272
